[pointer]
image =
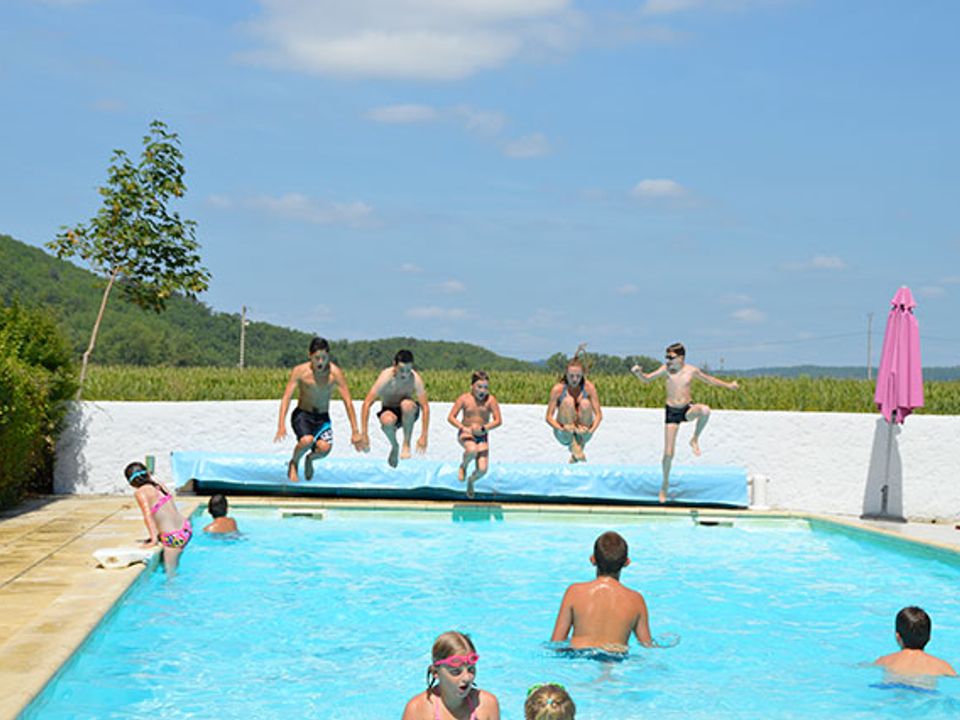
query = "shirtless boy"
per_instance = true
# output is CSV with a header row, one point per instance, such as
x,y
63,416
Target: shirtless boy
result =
x,y
481,413
402,398
911,663
574,410
602,612
680,407
314,380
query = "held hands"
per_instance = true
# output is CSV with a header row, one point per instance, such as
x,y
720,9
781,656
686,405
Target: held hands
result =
x,y
356,439
364,443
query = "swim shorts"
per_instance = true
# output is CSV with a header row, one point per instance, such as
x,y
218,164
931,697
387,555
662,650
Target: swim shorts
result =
x,y
470,437
398,413
312,423
675,415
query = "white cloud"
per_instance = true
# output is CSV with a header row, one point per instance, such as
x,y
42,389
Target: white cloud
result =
x,y
295,206
409,39
409,267
669,7
220,202
109,105
528,146
817,262
400,114
951,280
628,289
433,312
452,286
931,291
479,122
749,315
655,189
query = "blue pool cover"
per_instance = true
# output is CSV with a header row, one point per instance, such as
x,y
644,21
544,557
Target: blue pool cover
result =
x,y
263,474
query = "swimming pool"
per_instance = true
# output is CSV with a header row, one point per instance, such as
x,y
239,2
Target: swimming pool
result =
x,y
334,618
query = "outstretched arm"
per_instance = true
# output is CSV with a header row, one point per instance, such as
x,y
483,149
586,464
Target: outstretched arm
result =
x,y
639,374
285,406
341,379
711,380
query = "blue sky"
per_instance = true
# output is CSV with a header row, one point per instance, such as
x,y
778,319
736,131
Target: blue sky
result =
x,y
751,177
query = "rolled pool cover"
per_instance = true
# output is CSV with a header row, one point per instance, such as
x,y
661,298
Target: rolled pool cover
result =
x,y
266,474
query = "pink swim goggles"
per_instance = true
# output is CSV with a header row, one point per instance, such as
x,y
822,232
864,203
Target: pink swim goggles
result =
x,y
456,661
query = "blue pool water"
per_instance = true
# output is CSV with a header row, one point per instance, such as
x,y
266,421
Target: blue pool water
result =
x,y
334,618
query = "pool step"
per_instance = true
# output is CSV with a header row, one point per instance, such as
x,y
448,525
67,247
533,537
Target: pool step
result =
x,y
309,513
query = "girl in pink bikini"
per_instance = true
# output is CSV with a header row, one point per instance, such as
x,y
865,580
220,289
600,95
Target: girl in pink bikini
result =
x,y
451,694
164,522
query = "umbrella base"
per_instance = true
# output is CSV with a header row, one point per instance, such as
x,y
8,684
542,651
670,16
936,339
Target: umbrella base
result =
x,y
883,517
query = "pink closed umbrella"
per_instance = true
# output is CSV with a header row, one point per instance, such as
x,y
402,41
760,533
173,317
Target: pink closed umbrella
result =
x,y
899,381
900,377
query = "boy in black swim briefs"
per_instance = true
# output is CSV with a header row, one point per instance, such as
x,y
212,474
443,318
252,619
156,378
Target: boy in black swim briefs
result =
x,y
680,408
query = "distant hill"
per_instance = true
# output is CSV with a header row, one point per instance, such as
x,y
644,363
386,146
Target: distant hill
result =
x,y
189,333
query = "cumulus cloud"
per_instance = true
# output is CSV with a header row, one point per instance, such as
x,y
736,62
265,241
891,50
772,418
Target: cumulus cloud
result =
x,y
628,289
452,286
951,280
402,114
434,312
931,291
657,189
749,315
528,146
405,39
409,267
295,206
818,262
669,7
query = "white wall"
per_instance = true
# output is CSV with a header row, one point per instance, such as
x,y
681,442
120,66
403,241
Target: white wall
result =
x,y
816,462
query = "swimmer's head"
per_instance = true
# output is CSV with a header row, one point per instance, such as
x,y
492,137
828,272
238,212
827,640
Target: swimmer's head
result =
x,y
610,554
319,353
403,363
217,506
549,702
137,474
456,657
675,354
575,372
913,628
480,384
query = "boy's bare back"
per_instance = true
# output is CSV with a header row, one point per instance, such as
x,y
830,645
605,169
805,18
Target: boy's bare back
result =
x,y
603,613
915,662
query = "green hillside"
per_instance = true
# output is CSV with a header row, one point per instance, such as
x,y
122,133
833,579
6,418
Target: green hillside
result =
x,y
189,333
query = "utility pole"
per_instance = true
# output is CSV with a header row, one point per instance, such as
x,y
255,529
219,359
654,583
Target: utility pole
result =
x,y
243,334
869,339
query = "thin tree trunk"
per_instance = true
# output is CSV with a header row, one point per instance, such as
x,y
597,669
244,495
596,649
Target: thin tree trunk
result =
x,y
96,329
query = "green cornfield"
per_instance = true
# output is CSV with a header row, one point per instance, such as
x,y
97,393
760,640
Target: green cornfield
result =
x,y
760,393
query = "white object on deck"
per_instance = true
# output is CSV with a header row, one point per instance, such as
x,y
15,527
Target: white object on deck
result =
x,y
112,558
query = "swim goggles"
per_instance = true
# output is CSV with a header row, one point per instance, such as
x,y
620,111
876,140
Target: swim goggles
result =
x,y
135,475
456,661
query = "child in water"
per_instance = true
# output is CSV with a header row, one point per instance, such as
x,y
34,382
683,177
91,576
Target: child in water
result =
x,y
911,665
164,522
481,413
450,692
549,702
217,507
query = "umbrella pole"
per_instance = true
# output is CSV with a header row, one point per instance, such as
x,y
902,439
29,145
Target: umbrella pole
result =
x,y
885,489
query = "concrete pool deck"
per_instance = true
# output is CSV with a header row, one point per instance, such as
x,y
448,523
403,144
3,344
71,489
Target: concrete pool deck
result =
x,y
52,594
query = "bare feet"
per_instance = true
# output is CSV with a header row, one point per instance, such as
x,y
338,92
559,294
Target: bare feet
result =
x,y
292,471
663,496
393,460
308,467
461,473
405,453
695,445
573,459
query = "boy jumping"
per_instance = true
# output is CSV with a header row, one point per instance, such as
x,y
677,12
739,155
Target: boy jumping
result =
x,y
680,407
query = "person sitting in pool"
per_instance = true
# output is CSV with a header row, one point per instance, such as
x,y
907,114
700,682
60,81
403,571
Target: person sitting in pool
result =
x,y
402,398
574,408
481,414
314,380
451,692
217,507
911,663
603,613
680,407
549,702
164,522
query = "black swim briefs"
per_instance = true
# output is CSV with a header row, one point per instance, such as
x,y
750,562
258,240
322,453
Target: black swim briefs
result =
x,y
677,415
398,412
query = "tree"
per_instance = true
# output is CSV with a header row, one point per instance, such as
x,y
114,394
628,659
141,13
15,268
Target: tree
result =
x,y
135,240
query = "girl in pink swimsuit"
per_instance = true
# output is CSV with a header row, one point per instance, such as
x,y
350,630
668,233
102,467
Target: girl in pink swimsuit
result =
x,y
451,694
164,522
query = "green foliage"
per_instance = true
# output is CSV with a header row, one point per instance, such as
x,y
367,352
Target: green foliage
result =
x,y
36,380
765,393
134,236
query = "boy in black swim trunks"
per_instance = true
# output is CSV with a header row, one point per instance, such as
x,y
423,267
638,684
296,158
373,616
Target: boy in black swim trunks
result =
x,y
680,377
403,398
314,380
